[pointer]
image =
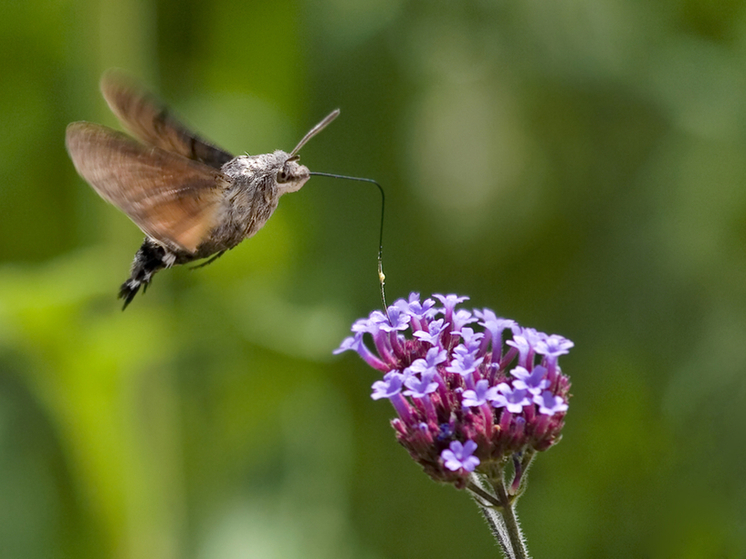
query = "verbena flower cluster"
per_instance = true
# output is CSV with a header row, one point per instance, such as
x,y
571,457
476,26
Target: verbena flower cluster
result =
x,y
466,400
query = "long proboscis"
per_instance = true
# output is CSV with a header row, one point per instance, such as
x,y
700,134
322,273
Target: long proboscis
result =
x,y
381,275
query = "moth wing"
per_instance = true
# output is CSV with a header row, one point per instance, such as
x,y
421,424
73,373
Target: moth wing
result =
x,y
172,199
151,121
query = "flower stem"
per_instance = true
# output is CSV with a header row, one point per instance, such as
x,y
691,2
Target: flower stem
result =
x,y
488,505
507,511
497,527
497,507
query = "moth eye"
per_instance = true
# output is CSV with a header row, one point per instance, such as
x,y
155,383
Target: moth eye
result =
x,y
283,176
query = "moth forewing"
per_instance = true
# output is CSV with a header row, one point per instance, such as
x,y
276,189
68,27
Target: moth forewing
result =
x,y
172,199
150,120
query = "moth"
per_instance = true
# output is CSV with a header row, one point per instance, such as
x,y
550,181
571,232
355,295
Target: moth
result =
x,y
192,199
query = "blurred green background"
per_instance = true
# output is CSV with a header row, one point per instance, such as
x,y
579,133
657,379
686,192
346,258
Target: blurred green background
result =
x,y
577,166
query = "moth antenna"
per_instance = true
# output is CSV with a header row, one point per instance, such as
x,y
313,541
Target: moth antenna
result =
x,y
381,275
315,130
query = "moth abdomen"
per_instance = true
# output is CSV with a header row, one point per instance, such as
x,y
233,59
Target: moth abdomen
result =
x,y
150,258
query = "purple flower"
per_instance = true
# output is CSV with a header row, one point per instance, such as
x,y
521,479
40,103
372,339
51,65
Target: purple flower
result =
x,y
421,387
553,346
433,358
396,320
493,323
414,308
461,318
355,343
449,303
459,456
495,327
480,394
533,382
549,404
472,340
511,399
533,336
521,343
367,325
451,379
432,336
389,386
377,318
349,343
464,363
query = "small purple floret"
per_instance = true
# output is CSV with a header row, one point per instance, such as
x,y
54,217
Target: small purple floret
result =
x,y
349,343
533,382
520,342
450,301
355,343
461,318
449,304
464,363
471,340
421,387
553,346
432,336
390,385
511,399
460,456
478,396
397,320
431,361
367,325
414,308
549,404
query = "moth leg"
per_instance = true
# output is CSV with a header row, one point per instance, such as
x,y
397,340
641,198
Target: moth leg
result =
x,y
150,258
212,259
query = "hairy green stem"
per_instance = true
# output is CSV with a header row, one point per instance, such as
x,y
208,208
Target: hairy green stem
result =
x,y
497,507
507,511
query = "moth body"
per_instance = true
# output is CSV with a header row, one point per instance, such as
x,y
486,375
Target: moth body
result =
x,y
254,188
192,200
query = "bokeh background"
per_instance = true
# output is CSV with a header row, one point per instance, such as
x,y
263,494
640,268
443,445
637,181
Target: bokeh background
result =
x,y
578,166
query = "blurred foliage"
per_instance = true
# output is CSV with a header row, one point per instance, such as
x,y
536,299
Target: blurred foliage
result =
x,y
578,166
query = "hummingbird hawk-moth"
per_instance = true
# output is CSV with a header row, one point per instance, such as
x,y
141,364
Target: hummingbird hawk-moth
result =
x,y
192,200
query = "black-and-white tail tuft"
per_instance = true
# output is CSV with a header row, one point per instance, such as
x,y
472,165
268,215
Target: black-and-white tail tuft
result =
x,y
149,259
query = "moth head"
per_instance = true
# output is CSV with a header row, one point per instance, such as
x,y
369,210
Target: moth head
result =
x,y
291,175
